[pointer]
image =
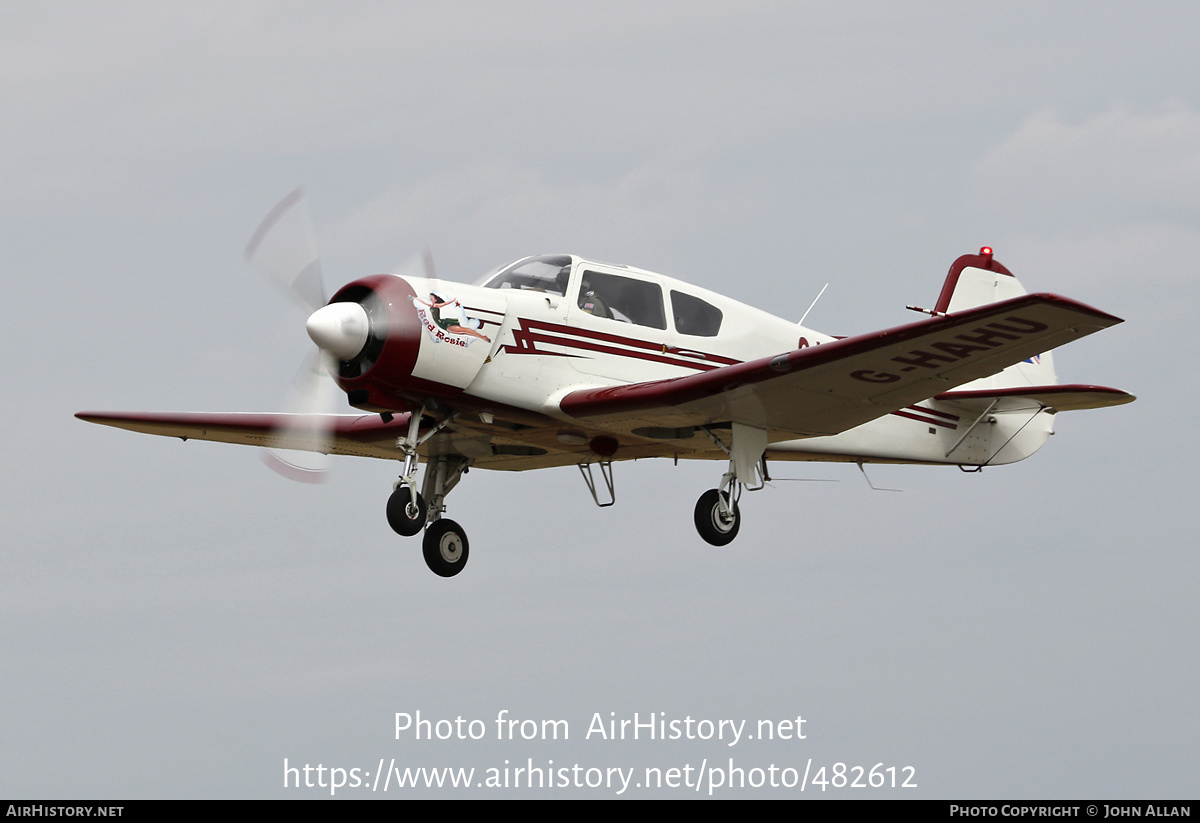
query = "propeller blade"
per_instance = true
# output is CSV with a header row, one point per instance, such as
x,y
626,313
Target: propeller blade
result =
x,y
419,265
284,248
299,450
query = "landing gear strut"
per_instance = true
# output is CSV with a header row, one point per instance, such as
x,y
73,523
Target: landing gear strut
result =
x,y
717,516
445,543
406,510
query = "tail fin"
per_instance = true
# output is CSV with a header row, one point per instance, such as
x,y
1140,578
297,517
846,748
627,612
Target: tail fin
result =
x,y
1014,399
977,280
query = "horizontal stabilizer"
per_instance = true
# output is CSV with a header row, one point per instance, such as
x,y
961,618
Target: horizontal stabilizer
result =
x,y
1060,398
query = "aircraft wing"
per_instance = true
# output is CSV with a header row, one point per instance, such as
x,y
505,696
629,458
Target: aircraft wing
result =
x,y
833,387
361,435
364,435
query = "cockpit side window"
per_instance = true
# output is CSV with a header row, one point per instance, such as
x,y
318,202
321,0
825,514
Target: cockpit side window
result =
x,y
695,316
622,298
540,274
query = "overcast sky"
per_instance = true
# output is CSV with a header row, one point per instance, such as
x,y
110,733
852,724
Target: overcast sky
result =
x,y
177,620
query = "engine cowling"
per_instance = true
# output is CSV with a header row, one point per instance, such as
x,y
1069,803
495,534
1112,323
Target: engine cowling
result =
x,y
423,343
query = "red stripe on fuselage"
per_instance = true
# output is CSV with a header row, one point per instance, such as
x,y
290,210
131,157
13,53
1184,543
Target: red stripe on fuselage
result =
x,y
532,332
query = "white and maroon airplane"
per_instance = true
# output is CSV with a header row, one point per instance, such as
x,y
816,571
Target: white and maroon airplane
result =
x,y
557,360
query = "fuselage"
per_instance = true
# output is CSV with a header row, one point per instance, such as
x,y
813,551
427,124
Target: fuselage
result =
x,y
516,344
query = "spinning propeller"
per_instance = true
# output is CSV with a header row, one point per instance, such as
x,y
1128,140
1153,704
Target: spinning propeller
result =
x,y
284,248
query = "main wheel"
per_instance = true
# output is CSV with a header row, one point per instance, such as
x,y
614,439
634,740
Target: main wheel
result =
x,y
446,549
405,516
714,527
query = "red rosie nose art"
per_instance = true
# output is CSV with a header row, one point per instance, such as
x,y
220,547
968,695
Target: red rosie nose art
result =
x,y
422,343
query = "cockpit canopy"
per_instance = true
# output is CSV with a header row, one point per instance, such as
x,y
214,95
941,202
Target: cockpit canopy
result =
x,y
635,298
548,274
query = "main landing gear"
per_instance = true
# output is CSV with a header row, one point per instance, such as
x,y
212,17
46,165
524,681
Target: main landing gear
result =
x,y
405,513
717,516
717,519
444,545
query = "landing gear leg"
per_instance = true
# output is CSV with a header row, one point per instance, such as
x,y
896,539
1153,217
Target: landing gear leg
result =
x,y
441,475
445,543
717,516
406,509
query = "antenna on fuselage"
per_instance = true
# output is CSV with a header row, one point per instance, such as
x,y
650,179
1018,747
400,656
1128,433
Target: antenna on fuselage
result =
x,y
814,302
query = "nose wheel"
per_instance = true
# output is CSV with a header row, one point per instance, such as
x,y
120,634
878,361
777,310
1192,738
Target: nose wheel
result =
x,y
445,547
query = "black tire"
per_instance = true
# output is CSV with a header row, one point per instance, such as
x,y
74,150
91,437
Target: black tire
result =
x,y
712,526
399,518
445,547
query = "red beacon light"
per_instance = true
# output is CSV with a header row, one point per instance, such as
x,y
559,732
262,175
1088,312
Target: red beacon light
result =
x,y
986,252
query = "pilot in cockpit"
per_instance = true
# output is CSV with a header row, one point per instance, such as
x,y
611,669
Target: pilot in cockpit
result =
x,y
590,301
